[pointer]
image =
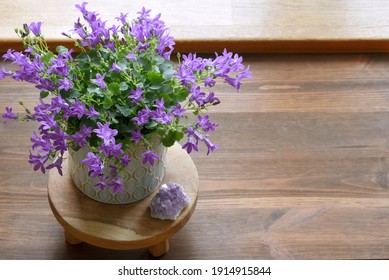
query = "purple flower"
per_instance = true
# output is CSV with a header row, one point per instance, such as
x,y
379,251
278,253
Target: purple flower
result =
x,y
80,137
191,132
136,95
42,143
38,161
76,109
102,183
186,76
190,145
209,81
4,73
197,96
96,167
99,81
65,84
178,111
125,160
35,27
111,149
162,117
57,164
149,156
136,135
211,147
122,18
206,124
160,104
211,99
105,133
115,68
142,117
131,56
9,115
116,184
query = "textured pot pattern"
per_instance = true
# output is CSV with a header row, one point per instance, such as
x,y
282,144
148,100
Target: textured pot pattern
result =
x,y
139,180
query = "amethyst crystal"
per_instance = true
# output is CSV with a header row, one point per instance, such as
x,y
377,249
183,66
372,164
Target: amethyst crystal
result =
x,y
169,202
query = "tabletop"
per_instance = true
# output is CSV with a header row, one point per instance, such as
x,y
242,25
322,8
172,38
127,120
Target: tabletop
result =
x,y
301,171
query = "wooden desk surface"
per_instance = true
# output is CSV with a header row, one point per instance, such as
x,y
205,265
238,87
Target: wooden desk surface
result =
x,y
302,171
239,25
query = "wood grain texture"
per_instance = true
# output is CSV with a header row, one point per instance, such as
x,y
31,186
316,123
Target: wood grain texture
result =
x,y
239,25
301,173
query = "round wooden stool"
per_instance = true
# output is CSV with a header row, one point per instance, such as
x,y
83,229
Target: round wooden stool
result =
x,y
127,226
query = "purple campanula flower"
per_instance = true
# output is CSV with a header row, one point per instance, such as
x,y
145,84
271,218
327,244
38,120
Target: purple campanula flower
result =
x,y
211,147
35,27
92,112
162,117
136,95
116,184
186,76
9,115
211,99
102,183
105,133
76,109
206,124
80,137
42,143
160,104
190,145
191,132
209,81
125,160
122,18
65,84
96,167
149,157
38,161
4,73
142,117
99,81
131,56
57,164
136,135
197,96
115,68
178,111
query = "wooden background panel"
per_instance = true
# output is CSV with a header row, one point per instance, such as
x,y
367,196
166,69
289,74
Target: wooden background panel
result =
x,y
242,25
301,173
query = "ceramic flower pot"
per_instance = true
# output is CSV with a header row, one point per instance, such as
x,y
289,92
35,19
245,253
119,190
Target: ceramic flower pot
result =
x,y
139,180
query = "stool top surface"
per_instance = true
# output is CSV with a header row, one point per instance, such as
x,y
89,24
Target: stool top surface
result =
x,y
127,226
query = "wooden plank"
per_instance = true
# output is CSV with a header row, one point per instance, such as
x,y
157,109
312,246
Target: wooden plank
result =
x,y
239,25
302,170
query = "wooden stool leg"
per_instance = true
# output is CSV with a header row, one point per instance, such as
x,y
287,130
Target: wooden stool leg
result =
x,y
159,249
71,239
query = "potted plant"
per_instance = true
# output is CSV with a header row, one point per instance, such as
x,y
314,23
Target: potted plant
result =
x,y
117,101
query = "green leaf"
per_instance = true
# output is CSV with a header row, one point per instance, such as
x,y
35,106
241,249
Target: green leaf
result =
x,y
154,77
114,88
94,89
172,137
123,110
107,103
151,125
46,57
44,94
123,86
167,69
61,50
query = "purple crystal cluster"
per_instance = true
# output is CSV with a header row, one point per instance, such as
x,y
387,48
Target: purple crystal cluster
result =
x,y
169,202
